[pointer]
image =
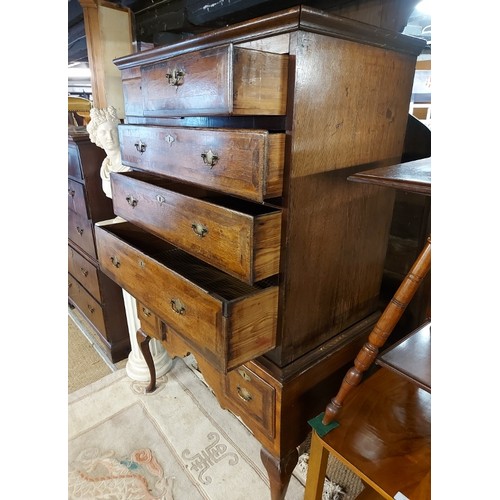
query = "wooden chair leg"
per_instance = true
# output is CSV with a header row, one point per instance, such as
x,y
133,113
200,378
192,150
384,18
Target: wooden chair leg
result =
x,y
316,470
381,331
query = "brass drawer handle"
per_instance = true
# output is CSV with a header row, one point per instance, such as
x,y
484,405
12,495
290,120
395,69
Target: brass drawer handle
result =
x,y
140,146
199,229
91,309
175,77
71,192
132,201
84,271
115,261
178,306
244,394
146,312
80,230
210,158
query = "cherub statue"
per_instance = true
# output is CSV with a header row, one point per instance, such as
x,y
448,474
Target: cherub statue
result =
x,y
103,132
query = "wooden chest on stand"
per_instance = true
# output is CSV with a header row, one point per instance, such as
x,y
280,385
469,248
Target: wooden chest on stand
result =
x,y
95,295
243,242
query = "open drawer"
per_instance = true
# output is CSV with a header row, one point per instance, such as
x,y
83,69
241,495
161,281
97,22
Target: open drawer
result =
x,y
236,236
228,321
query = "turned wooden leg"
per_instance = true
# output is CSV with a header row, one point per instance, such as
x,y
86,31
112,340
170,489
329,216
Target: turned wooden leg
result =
x,y
279,471
143,341
316,469
381,331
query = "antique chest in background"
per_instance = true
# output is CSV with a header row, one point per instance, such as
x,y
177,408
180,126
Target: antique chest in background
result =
x,y
94,294
244,243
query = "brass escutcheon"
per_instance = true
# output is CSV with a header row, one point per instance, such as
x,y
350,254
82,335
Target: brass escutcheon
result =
x,y
140,146
244,375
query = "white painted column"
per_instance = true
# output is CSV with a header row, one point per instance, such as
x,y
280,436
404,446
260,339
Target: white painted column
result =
x,y
136,366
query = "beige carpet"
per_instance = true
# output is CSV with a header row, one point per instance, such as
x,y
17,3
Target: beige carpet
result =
x,y
176,443
85,364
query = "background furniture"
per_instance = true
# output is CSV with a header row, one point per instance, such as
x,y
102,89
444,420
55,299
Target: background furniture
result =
x,y
385,427
244,243
94,294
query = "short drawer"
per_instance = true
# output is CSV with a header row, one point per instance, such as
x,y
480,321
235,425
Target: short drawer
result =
x,y
254,397
80,231
85,272
89,307
239,237
228,321
246,163
76,198
74,161
224,80
149,321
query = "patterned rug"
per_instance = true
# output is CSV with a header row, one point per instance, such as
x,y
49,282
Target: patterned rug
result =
x,y
175,443
172,444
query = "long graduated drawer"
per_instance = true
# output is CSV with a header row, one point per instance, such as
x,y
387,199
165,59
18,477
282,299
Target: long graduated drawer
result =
x,y
236,236
227,320
246,163
225,80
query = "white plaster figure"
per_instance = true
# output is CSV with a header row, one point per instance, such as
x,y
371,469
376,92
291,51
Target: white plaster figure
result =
x,y
103,132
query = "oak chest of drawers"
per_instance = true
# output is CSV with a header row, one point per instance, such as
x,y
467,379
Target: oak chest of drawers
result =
x,y
243,242
92,292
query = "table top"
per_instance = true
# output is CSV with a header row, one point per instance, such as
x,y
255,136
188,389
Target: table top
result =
x,y
411,357
413,176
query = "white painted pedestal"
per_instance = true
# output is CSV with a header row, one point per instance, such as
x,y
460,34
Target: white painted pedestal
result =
x,y
136,366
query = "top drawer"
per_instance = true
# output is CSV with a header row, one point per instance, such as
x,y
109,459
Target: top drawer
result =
x,y
224,80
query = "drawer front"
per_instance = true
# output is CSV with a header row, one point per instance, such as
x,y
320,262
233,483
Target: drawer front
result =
x,y
132,95
76,198
254,397
247,163
149,321
80,231
74,162
225,319
224,80
239,237
86,304
85,272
